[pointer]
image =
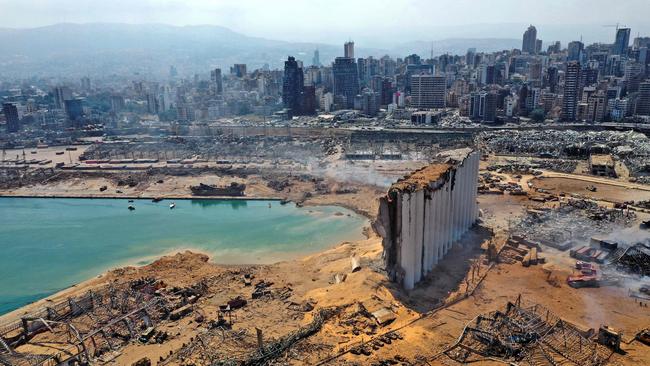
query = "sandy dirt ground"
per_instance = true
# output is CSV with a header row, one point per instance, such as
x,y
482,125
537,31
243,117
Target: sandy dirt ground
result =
x,y
57,154
429,318
362,201
604,190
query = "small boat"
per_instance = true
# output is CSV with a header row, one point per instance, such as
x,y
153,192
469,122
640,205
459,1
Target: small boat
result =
x,y
172,205
130,201
131,207
269,205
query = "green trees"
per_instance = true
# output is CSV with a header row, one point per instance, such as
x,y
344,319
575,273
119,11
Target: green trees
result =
x,y
538,115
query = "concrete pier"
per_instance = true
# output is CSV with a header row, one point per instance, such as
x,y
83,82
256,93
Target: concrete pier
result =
x,y
425,213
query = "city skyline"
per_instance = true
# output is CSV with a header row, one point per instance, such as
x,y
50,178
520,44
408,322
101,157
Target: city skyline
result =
x,y
324,182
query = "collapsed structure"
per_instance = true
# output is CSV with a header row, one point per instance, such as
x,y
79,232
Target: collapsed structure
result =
x,y
425,213
91,327
528,335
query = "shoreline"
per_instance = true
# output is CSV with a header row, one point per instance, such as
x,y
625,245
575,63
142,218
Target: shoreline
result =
x,y
276,258
145,197
99,280
308,202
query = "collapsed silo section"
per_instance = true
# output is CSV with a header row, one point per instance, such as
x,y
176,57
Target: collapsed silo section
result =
x,y
423,214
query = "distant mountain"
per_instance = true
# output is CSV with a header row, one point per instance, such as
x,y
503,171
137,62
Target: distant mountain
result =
x,y
104,49
456,46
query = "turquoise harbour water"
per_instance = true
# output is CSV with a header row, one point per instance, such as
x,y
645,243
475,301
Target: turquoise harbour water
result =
x,y
48,244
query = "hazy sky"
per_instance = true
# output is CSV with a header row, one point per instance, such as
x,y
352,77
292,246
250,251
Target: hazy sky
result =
x,y
329,20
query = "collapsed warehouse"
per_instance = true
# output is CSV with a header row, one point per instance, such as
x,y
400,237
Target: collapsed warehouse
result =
x,y
528,335
261,144
630,148
95,325
634,259
425,213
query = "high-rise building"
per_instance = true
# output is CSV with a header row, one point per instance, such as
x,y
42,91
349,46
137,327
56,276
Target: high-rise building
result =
x,y
428,91
387,91
413,59
348,49
571,91
555,48
529,43
552,79
535,72
384,87
487,74
217,81
483,106
633,75
85,83
575,51
117,103
644,58
622,41
292,87
643,103
326,101
152,103
74,109
597,105
316,59
11,115
239,70
588,76
470,57
641,42
61,94
369,102
618,108
308,106
346,79
532,99
361,70
490,109
416,69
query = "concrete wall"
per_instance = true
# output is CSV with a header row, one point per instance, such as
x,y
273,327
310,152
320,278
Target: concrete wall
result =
x,y
420,223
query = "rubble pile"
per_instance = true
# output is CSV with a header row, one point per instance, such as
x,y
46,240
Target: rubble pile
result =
x,y
13,178
279,185
643,204
558,165
513,168
567,225
596,212
86,328
493,184
629,147
532,167
223,345
634,259
220,148
526,334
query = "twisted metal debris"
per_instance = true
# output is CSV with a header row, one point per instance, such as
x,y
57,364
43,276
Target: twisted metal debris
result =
x,y
529,335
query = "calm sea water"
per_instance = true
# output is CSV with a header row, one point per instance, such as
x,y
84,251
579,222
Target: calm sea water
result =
x,y
47,245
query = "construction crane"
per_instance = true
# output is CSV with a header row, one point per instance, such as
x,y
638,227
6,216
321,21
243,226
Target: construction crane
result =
x,y
617,25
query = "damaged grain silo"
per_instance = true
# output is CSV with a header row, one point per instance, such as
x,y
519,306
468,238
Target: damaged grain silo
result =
x,y
425,213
